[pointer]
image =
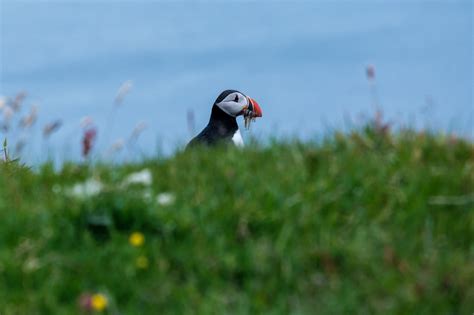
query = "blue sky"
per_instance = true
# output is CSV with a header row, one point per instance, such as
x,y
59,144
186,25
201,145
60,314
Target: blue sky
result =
x,y
304,62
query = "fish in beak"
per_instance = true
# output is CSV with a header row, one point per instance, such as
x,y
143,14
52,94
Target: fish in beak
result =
x,y
251,112
253,108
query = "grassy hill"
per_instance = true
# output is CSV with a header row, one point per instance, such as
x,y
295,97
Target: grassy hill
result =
x,y
367,222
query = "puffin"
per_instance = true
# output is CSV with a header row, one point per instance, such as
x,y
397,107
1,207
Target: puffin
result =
x,y
222,127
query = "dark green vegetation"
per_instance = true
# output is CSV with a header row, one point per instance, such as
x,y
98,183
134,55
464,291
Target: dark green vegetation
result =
x,y
362,223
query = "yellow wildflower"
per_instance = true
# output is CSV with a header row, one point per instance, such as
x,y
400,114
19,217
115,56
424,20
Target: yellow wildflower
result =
x,y
99,302
142,262
137,239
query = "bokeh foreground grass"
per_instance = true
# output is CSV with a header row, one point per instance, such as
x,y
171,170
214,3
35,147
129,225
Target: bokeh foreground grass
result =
x,y
367,222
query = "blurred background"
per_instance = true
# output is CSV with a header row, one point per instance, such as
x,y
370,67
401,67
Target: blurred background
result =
x,y
373,217
158,66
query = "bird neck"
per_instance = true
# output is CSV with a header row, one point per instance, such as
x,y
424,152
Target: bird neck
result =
x,y
221,119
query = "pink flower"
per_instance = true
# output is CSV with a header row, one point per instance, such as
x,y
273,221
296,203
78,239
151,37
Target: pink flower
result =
x,y
139,128
85,301
88,140
370,72
51,127
123,91
16,104
29,120
86,121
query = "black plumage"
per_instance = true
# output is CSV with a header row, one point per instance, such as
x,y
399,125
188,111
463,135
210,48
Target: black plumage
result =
x,y
221,127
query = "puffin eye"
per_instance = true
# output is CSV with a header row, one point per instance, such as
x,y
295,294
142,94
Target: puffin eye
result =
x,y
236,99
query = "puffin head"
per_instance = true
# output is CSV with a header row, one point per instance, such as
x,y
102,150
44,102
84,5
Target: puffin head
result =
x,y
235,103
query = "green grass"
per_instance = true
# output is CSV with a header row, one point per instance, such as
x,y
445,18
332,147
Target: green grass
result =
x,y
362,223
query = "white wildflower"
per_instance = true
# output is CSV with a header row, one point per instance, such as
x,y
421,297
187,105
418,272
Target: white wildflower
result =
x,y
123,91
142,177
165,198
117,145
89,188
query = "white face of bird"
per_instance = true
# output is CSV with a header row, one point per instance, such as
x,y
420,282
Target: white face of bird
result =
x,y
233,104
236,104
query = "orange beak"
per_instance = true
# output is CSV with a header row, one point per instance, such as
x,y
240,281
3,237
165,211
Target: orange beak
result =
x,y
254,107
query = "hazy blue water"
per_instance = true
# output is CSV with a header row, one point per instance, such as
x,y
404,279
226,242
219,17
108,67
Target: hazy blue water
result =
x,y
304,63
